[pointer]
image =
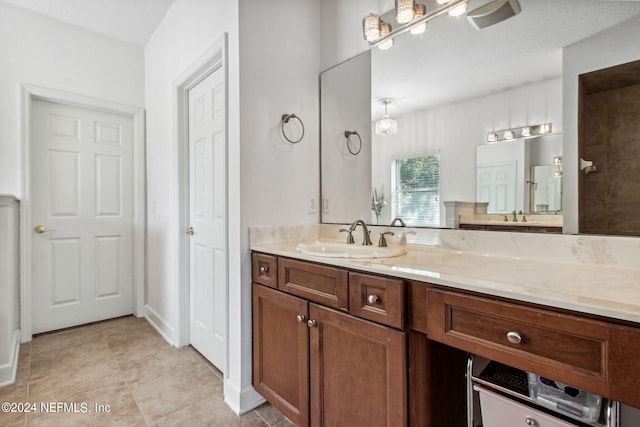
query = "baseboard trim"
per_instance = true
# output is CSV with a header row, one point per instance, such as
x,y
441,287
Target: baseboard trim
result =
x,y
8,370
159,324
241,401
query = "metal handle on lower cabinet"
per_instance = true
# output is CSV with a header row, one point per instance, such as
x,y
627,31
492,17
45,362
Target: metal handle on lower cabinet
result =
x,y
372,299
40,229
191,231
263,269
514,337
312,323
530,422
300,318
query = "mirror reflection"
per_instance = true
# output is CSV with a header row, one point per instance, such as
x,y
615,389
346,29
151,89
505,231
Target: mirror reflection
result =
x,y
424,110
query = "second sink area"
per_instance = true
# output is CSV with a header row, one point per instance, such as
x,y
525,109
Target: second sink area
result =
x,y
344,250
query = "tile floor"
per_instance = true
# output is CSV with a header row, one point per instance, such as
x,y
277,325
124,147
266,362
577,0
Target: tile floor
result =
x,y
125,364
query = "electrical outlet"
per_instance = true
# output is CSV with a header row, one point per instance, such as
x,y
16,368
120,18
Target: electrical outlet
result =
x,y
312,205
325,205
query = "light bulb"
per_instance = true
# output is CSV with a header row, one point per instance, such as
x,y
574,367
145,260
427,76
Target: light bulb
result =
x,y
385,28
404,11
459,10
371,27
419,10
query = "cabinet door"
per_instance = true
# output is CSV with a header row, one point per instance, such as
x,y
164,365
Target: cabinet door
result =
x,y
358,372
281,352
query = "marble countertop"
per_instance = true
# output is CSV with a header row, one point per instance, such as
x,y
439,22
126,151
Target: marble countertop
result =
x,y
598,289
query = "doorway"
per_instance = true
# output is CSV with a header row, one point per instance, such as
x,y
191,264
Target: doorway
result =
x,y
202,156
82,216
609,137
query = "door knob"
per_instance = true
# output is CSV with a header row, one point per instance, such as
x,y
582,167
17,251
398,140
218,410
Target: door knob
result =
x,y
191,231
40,229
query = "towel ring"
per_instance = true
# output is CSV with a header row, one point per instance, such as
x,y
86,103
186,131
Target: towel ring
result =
x,y
347,134
285,119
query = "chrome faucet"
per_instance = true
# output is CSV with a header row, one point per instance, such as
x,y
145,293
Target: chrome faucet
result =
x,y
398,219
366,239
515,218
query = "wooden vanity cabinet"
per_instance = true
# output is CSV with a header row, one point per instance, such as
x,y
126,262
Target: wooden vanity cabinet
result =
x,y
325,367
358,372
281,351
595,355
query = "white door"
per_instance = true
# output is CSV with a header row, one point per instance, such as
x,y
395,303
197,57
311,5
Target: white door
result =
x,y
208,217
81,173
496,184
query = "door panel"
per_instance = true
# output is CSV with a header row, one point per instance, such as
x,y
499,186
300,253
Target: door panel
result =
x,y
81,175
356,358
207,206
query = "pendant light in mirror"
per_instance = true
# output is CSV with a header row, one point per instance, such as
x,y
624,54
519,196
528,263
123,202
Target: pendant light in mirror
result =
x,y
386,125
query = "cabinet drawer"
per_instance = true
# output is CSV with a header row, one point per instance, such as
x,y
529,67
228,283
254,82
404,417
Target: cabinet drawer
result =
x,y
568,348
376,298
317,283
500,411
265,269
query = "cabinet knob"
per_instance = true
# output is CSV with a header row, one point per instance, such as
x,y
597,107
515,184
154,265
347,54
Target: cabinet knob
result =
x,y
300,318
514,338
191,231
372,299
264,269
312,323
530,422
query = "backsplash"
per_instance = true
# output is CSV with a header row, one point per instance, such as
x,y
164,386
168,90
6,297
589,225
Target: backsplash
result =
x,y
605,250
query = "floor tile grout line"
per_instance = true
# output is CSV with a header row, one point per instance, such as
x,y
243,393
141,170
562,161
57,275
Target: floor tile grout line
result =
x,y
117,362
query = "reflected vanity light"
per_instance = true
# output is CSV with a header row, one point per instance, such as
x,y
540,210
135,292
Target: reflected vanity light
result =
x,y
520,132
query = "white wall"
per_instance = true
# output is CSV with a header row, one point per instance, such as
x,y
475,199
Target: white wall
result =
x,y
454,131
279,69
9,288
616,46
189,29
342,28
40,51
273,68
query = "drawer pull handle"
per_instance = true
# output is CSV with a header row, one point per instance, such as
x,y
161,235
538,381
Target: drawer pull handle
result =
x,y
530,422
312,323
514,338
300,318
372,299
263,269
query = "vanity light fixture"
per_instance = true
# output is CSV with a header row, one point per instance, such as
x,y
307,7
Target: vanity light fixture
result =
x,y
520,132
411,16
386,126
404,11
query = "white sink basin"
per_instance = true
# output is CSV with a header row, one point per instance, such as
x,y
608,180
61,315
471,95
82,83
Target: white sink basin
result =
x,y
343,250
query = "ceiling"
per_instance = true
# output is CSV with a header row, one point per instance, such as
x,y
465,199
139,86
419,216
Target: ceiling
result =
x,y
131,21
453,61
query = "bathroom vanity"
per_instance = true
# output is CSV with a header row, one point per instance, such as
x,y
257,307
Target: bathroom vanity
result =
x,y
384,342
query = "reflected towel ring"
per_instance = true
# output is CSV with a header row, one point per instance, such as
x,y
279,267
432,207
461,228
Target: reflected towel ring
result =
x,y
347,134
285,119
